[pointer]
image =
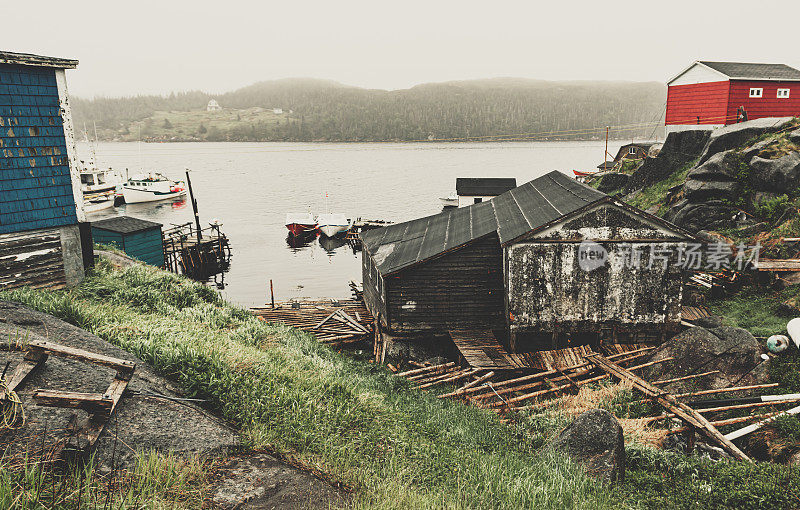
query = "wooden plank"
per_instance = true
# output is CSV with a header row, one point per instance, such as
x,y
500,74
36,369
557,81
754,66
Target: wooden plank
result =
x,y
122,366
93,403
30,362
669,402
98,423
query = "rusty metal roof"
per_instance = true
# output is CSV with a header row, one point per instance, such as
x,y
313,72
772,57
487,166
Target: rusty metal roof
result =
x,y
27,59
510,215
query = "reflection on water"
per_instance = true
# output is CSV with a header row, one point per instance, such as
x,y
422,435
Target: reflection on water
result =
x,y
301,241
331,244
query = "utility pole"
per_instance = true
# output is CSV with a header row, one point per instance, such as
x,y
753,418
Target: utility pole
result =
x,y
605,156
194,206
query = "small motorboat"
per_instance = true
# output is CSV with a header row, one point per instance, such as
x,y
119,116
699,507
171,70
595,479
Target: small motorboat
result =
x,y
152,188
97,203
579,173
449,201
332,224
300,223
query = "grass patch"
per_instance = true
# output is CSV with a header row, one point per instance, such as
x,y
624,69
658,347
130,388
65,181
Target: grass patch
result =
x,y
158,481
654,195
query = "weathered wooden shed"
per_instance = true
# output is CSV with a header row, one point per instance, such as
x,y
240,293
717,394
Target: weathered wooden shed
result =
x,y
43,240
140,239
513,265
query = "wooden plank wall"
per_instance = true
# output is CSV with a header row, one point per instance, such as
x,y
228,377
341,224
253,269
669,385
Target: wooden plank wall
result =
x,y
461,289
32,259
34,169
372,294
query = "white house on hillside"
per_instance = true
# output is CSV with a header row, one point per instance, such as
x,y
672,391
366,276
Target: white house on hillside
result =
x,y
213,106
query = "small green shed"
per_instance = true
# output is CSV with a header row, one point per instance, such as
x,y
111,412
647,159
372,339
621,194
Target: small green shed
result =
x,y
140,239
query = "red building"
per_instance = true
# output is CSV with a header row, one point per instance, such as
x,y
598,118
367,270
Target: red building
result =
x,y
714,94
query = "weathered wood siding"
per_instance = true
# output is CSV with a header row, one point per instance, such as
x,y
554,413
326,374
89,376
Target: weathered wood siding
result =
x,y
709,101
35,182
370,278
769,104
32,258
548,289
461,288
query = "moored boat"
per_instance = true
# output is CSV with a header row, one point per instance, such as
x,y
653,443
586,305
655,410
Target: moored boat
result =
x,y
152,188
98,203
332,224
449,201
300,223
579,173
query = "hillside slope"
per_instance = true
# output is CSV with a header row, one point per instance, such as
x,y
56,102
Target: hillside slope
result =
x,y
329,111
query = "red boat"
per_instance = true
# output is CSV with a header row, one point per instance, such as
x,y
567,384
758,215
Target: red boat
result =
x,y
300,224
578,173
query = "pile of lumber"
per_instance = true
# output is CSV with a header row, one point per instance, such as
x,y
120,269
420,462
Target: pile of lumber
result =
x,y
507,392
332,322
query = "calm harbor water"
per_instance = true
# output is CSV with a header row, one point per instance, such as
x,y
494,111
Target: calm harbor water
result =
x,y
251,186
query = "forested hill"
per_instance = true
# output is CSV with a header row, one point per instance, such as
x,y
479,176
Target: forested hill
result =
x,y
308,110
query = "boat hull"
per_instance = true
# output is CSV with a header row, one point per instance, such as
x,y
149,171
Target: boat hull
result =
x,y
96,206
136,196
333,230
299,229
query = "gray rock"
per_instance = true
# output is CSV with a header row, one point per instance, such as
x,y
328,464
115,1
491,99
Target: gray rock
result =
x,y
700,191
679,148
722,166
712,215
735,135
595,440
262,481
754,149
612,181
794,136
777,175
140,422
713,321
734,352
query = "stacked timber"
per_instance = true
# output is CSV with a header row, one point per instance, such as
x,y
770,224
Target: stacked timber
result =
x,y
332,322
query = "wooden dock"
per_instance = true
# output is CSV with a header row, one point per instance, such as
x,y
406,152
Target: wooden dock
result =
x,y
480,349
196,256
334,322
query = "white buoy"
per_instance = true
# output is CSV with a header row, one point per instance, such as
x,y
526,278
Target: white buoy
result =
x,y
794,331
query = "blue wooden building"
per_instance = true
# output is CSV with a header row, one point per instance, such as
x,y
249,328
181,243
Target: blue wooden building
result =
x,y
41,204
140,239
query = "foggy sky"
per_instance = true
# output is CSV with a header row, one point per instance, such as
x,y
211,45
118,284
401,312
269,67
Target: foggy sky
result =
x,y
145,46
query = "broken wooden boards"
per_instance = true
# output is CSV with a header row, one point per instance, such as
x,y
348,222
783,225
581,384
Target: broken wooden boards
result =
x,y
99,406
332,322
669,402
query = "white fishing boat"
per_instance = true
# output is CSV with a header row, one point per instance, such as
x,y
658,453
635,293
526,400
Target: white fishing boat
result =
x,y
332,224
99,186
152,188
449,201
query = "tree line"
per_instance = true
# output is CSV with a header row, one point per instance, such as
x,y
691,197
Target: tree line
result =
x,y
328,111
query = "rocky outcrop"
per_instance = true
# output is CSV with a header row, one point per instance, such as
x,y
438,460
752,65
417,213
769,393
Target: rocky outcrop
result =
x,y
613,181
733,352
144,419
679,149
775,175
712,214
595,440
736,135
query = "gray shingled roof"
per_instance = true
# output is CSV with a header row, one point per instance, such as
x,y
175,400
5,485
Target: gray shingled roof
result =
x,y
125,224
512,214
484,186
750,71
8,57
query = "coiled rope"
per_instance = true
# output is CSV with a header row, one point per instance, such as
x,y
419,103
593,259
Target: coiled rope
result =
x,y
11,408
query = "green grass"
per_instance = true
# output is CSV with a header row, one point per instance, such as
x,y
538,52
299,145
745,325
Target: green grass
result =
x,y
654,194
157,481
361,425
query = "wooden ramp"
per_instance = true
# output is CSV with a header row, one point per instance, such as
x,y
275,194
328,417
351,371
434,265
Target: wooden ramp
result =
x,y
480,349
